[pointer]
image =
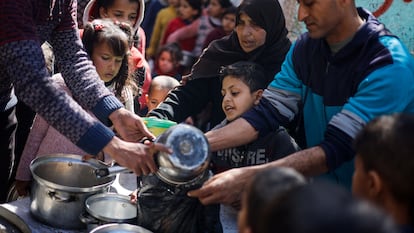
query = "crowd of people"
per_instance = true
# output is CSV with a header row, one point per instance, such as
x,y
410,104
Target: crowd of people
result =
x,y
314,130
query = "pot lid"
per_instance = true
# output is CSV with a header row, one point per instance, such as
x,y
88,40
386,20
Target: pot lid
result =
x,y
111,207
120,228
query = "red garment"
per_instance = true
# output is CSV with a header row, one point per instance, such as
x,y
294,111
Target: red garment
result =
x,y
175,24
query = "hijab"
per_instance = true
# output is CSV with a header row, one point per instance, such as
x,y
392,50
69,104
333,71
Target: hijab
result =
x,y
267,14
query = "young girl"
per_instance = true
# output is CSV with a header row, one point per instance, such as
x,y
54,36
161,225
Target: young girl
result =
x,y
132,12
107,45
167,61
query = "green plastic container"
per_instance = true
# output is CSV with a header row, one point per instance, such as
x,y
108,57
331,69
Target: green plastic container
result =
x,y
157,126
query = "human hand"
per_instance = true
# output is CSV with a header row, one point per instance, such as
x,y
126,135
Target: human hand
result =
x,y
129,125
137,157
225,188
22,187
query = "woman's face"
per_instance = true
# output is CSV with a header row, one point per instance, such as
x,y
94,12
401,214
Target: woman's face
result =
x,y
122,11
251,36
106,63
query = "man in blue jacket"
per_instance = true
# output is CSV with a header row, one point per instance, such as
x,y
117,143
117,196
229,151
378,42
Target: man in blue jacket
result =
x,y
346,70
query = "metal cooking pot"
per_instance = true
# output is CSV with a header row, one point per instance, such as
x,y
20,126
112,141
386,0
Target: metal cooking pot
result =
x,y
190,158
120,227
10,222
111,208
61,184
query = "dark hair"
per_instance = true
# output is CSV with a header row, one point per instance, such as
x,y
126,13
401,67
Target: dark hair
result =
x,y
266,186
250,73
323,207
232,10
117,36
197,5
108,3
385,145
225,3
174,49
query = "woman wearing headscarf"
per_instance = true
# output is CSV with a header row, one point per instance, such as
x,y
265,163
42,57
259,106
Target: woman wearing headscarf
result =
x,y
260,36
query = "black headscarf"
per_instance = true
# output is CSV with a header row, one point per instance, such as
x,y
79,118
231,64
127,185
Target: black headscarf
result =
x,y
268,15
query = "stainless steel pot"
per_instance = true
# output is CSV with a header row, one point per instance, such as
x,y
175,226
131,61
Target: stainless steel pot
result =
x,y
62,182
120,228
190,157
104,208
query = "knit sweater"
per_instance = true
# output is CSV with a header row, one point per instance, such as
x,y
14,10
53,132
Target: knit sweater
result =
x,y
23,68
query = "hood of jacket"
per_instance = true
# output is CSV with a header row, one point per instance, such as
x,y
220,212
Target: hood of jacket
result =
x,y
91,12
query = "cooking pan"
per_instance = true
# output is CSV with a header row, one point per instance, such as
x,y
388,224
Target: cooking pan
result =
x,y
10,222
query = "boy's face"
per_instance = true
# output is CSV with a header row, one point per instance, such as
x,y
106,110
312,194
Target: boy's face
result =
x,y
106,63
157,96
237,97
122,11
228,22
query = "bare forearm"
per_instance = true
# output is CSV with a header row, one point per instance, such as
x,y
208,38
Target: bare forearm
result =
x,y
309,162
237,133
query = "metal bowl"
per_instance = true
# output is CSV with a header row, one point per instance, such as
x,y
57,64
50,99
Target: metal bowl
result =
x,y
190,157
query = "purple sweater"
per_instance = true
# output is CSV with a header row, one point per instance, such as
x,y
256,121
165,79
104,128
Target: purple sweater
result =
x,y
24,26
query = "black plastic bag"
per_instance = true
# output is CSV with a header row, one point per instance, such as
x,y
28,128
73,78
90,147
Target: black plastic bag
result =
x,y
165,208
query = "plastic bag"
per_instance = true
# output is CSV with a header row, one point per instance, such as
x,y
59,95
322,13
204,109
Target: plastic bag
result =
x,y
165,208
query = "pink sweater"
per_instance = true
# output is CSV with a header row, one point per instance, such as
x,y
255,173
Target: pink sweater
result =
x,y
43,139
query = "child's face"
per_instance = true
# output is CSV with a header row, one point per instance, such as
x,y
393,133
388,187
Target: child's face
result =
x,y
165,62
228,22
214,9
122,11
251,36
237,97
157,96
106,63
185,11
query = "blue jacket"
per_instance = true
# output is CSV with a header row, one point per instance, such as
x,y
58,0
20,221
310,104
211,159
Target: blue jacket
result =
x,y
339,93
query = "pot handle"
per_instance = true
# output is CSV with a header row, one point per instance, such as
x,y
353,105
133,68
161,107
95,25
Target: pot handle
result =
x,y
62,198
85,218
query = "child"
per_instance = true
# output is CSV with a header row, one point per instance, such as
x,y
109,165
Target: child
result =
x,y
159,89
242,87
167,61
263,189
108,46
321,207
132,12
188,11
164,17
228,23
210,19
384,167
